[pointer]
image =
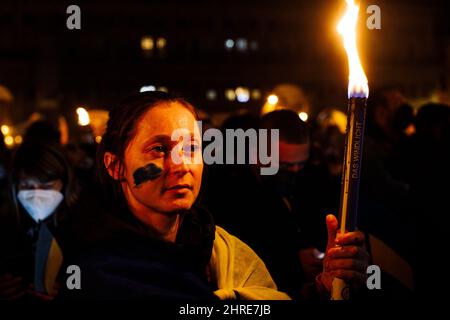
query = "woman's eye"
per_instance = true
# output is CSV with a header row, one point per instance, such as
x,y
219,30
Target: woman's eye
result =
x,y
158,149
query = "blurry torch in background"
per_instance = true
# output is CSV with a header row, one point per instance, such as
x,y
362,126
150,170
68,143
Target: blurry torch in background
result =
x,y
83,117
92,123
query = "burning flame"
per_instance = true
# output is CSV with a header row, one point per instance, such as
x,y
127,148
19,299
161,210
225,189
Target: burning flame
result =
x,y
357,84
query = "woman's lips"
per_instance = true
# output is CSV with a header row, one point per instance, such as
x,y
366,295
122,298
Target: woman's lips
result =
x,y
179,187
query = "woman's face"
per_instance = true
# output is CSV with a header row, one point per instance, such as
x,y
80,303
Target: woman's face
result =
x,y
152,179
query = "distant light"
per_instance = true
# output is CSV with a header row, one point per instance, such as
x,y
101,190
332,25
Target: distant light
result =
x,y
241,44
242,94
161,43
410,130
147,43
230,94
256,94
147,88
267,108
83,117
211,94
333,117
9,141
18,139
303,116
229,44
5,129
272,99
340,120
163,89
98,139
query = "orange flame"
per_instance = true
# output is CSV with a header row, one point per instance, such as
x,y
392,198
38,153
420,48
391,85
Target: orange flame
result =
x,y
357,84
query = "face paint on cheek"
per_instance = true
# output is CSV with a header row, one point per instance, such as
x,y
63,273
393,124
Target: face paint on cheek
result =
x,y
147,173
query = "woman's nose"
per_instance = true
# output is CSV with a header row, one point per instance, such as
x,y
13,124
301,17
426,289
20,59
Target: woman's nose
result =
x,y
179,161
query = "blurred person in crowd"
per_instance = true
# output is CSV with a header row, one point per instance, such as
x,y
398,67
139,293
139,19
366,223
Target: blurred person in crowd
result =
x,y
43,131
4,158
155,240
379,186
403,128
403,122
230,171
81,157
320,189
263,210
33,242
4,178
381,114
294,183
327,156
428,159
383,133
385,194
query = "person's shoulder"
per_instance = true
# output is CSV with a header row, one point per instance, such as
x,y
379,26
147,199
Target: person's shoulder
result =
x,y
226,241
224,236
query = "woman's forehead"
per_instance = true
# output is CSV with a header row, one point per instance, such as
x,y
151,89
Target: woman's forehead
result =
x,y
164,119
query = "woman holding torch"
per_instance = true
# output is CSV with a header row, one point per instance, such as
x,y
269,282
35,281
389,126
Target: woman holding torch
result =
x,y
155,241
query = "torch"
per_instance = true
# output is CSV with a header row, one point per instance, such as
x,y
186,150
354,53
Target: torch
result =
x,y
358,91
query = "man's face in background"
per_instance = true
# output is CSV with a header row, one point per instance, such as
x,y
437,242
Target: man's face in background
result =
x,y
292,160
293,157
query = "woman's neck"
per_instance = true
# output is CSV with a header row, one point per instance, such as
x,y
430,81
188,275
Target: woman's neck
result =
x,y
164,225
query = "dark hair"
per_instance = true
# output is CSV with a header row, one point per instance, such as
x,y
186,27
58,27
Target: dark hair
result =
x,y
121,128
292,129
44,132
45,162
433,120
2,143
403,117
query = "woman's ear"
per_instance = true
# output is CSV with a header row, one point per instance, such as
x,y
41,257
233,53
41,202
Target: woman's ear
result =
x,y
111,165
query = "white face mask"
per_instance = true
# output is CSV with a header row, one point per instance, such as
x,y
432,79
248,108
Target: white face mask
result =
x,y
40,203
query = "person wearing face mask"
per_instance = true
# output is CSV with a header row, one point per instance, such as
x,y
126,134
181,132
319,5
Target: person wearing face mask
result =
x,y
302,186
259,205
44,190
268,212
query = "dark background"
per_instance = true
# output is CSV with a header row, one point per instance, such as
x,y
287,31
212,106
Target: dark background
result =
x,y
46,66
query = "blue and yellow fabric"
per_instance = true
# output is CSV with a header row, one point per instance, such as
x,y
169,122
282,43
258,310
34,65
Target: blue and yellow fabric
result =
x,y
48,261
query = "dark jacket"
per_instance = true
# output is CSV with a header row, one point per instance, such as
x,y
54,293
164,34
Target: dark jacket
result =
x,y
121,259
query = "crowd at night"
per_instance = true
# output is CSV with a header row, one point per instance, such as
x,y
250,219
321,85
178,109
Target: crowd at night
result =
x,y
215,150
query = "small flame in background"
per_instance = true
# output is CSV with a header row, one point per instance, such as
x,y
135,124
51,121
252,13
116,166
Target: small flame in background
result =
x,y
83,117
358,85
